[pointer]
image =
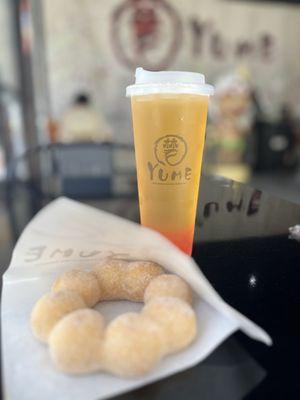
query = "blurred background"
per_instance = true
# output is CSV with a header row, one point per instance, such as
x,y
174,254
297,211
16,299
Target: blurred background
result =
x,y
65,124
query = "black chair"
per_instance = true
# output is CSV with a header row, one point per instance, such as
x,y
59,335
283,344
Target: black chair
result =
x,y
86,171
274,147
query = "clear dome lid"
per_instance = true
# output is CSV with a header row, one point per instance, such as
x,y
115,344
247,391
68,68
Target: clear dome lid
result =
x,y
150,82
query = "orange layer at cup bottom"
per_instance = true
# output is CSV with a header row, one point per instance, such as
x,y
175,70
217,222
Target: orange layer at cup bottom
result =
x,y
182,239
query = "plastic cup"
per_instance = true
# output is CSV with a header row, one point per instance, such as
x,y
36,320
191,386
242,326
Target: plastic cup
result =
x,y
169,113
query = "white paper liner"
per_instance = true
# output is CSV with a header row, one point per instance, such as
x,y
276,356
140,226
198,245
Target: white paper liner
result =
x,y
67,234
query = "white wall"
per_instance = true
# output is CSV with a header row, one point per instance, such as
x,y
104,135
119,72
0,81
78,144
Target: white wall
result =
x,y
81,54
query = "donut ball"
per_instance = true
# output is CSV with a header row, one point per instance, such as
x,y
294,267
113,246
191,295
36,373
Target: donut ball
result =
x,y
85,283
76,342
177,320
50,308
110,277
133,345
168,285
137,278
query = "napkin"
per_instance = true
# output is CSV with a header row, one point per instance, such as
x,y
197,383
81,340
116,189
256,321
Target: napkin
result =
x,y
67,234
295,232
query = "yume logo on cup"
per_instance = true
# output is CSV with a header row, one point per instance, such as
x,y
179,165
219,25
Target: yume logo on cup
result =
x,y
169,151
169,111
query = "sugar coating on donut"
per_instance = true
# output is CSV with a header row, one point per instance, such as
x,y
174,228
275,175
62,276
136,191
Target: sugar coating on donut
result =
x,y
84,283
76,342
133,345
168,285
177,320
123,280
110,276
50,308
137,278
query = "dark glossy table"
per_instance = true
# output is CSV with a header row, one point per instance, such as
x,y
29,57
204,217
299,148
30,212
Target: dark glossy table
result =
x,y
242,245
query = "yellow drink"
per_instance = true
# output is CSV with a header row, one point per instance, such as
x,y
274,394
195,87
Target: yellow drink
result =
x,y
169,133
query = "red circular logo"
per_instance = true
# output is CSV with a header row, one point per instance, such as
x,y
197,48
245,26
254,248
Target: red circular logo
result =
x,y
146,33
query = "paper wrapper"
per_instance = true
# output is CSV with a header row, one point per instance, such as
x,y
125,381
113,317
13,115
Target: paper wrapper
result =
x,y
67,234
295,232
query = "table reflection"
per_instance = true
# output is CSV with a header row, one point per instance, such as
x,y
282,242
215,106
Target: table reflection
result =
x,y
231,211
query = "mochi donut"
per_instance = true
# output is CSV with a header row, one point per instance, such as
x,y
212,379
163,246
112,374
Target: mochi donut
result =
x,y
168,285
123,280
50,308
85,283
133,345
177,320
76,342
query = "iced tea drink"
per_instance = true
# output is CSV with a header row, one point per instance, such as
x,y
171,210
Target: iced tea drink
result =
x,y
169,134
